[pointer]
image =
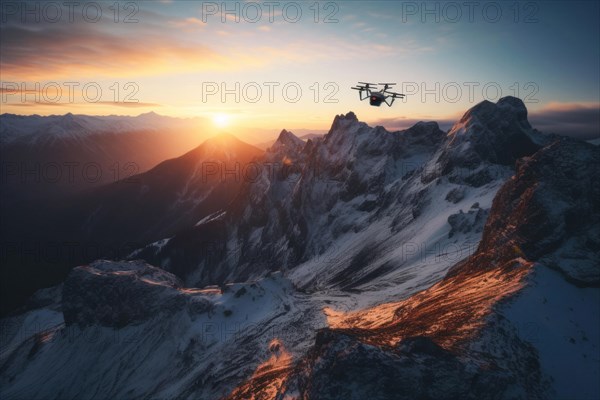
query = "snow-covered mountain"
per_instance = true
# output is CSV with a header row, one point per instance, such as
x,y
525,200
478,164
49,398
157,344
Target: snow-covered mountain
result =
x,y
502,324
371,206
36,129
411,264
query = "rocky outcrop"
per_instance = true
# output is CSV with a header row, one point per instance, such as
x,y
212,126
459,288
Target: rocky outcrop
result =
x,y
116,294
471,221
550,209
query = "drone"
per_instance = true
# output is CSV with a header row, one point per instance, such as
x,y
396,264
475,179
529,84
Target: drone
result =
x,y
377,97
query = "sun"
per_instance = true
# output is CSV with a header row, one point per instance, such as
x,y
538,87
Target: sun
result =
x,y
221,120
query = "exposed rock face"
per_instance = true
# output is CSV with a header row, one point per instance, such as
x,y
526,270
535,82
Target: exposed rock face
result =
x,y
471,221
117,294
551,209
340,366
455,195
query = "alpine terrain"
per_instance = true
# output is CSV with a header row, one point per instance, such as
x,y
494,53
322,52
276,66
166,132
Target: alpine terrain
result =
x,y
363,264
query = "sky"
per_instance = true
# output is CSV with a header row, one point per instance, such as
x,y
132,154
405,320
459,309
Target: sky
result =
x,y
291,64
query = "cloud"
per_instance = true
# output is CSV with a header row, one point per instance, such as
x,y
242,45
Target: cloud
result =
x,y
34,52
187,23
577,120
161,44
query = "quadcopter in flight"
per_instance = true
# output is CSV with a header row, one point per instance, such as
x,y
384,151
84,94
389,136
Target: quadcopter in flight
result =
x,y
377,97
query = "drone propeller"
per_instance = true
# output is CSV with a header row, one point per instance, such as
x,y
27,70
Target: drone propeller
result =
x,y
395,95
387,84
369,85
358,88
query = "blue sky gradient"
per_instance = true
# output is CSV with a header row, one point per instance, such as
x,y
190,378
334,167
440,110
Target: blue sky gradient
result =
x,y
545,52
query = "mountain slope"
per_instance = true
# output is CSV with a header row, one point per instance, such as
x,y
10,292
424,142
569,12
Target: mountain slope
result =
x,y
361,201
170,197
462,334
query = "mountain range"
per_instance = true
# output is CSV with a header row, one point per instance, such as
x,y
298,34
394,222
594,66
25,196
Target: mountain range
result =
x,y
360,264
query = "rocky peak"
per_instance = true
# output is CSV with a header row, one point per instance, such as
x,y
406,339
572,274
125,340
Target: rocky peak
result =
x,y
514,105
342,122
349,116
508,108
288,140
491,133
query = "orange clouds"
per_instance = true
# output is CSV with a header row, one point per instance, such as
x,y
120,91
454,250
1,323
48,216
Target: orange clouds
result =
x,y
157,45
58,52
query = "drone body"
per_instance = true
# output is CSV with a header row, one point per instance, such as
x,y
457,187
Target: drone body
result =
x,y
376,97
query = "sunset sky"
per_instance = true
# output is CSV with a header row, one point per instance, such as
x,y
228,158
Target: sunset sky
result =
x,y
545,52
